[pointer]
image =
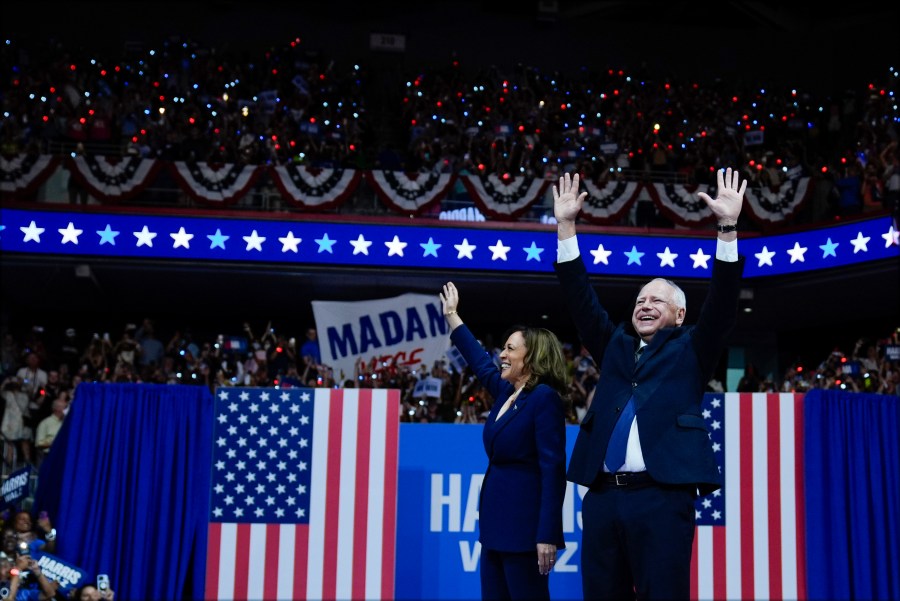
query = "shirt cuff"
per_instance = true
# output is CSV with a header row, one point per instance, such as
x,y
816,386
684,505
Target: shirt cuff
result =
x,y
567,250
726,251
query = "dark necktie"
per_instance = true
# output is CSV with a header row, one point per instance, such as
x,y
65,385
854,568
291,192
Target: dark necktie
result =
x,y
618,442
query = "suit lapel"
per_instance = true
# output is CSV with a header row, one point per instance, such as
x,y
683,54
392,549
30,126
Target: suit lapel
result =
x,y
629,345
511,413
659,339
495,426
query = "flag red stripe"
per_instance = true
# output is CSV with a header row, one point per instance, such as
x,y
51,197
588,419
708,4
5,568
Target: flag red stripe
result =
x,y
360,512
270,584
773,443
695,576
746,475
800,491
720,559
214,539
332,496
301,550
242,562
391,454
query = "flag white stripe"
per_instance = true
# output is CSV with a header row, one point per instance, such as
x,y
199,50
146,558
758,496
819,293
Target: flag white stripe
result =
x,y
788,498
375,515
733,496
286,541
227,551
705,562
319,467
760,496
346,504
256,566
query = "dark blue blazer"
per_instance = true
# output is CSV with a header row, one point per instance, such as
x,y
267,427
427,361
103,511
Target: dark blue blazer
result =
x,y
525,482
668,382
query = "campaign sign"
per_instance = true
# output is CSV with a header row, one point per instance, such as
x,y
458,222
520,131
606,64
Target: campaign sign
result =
x,y
609,148
15,488
440,474
428,387
59,570
457,361
754,138
407,330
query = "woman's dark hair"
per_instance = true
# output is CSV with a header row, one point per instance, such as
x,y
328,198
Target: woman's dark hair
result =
x,y
544,358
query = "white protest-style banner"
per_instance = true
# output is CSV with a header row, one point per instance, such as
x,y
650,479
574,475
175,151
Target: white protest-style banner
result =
x,y
407,330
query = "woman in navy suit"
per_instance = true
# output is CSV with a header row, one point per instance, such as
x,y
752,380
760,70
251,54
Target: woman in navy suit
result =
x,y
520,509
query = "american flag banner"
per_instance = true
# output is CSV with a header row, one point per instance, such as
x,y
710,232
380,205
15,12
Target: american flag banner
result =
x,y
750,536
303,500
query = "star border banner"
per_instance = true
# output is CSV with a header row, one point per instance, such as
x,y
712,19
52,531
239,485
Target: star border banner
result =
x,y
193,238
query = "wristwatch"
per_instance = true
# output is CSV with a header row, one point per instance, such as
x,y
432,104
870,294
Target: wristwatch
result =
x,y
724,229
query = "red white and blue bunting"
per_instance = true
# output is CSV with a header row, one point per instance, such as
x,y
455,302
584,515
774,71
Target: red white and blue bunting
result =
x,y
113,179
215,184
410,193
22,174
769,205
681,204
607,204
313,187
504,199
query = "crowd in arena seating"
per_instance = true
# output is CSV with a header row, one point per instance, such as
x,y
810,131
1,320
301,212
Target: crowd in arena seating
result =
x,y
293,104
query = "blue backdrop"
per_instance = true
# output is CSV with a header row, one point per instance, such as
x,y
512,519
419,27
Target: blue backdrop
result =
x,y
441,466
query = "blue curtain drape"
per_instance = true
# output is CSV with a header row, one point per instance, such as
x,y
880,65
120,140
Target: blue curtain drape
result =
x,y
852,460
126,484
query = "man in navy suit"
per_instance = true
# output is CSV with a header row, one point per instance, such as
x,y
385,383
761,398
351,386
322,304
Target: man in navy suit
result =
x,y
642,449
